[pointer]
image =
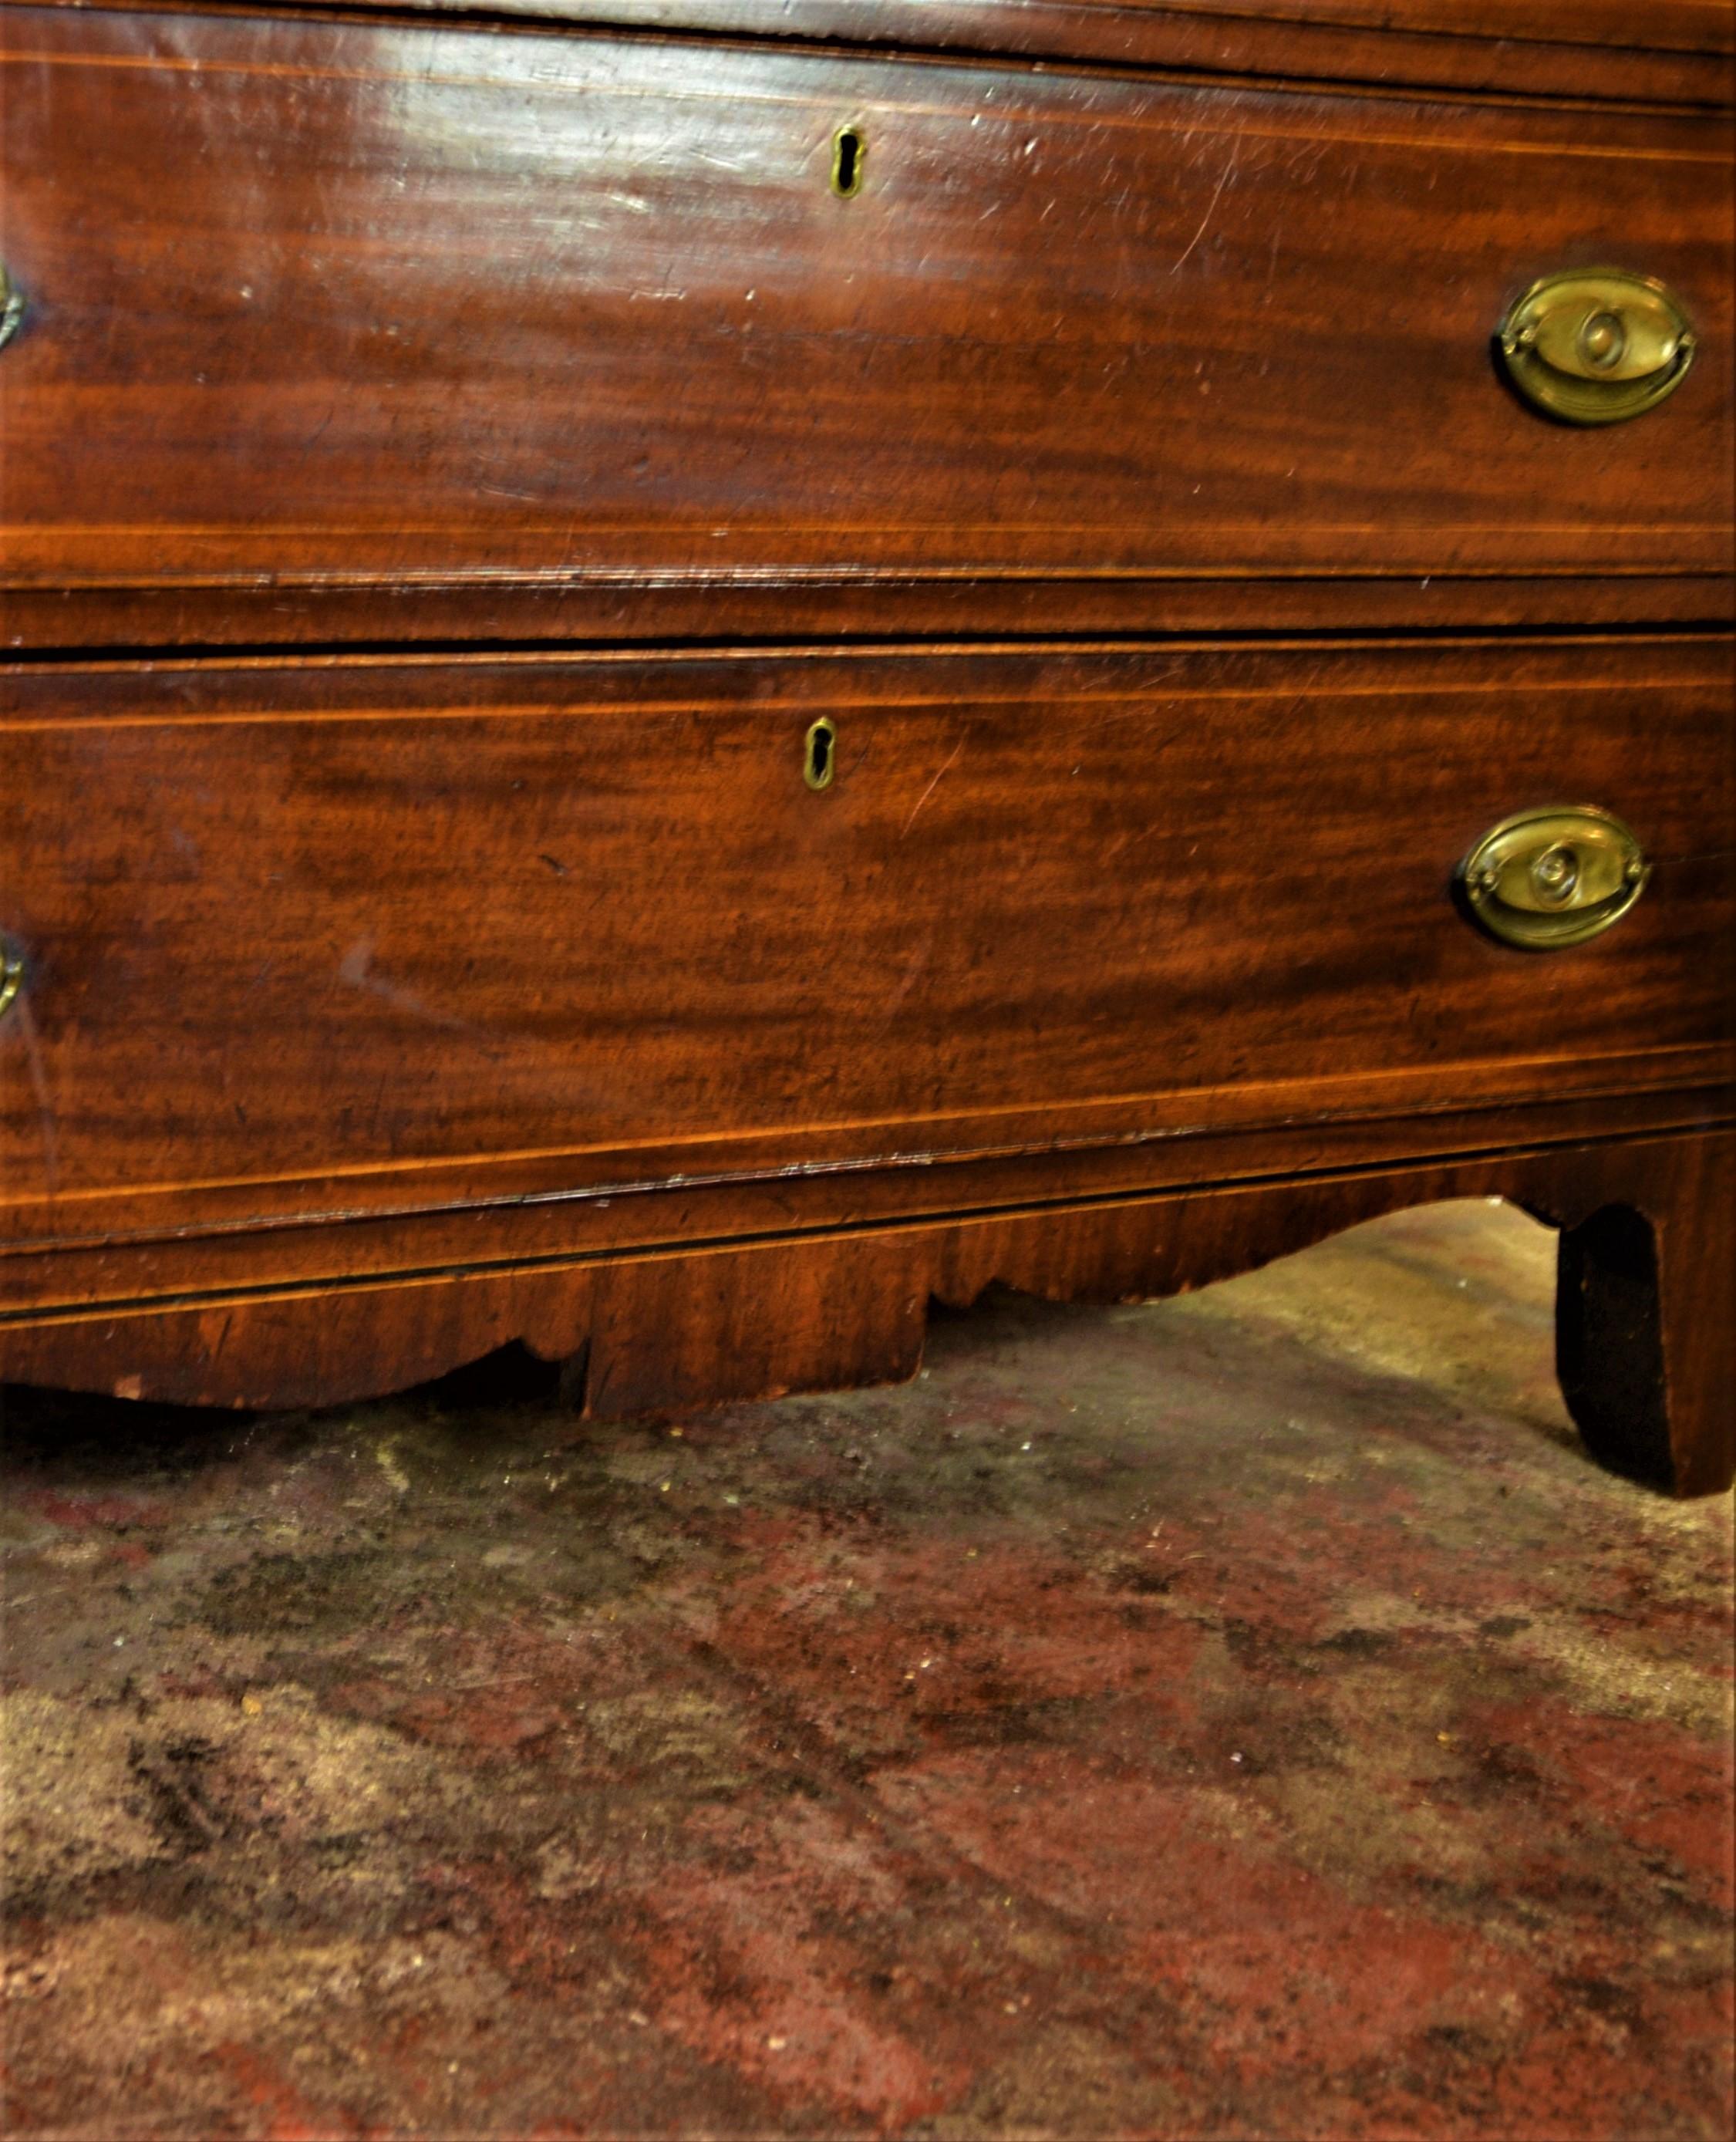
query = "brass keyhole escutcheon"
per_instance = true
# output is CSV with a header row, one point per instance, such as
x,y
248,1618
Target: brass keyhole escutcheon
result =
x,y
12,306
12,975
1545,879
1596,346
820,753
849,155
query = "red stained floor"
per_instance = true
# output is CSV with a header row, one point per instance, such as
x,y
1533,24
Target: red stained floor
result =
x,y
1250,1716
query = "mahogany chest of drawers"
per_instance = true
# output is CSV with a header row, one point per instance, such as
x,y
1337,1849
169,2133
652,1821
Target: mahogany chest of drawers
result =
x,y
682,673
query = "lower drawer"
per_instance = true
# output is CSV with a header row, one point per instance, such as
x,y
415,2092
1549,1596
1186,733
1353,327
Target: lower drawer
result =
x,y
321,936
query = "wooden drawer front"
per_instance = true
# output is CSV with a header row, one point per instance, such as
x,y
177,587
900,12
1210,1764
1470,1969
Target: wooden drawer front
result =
x,y
279,921
364,303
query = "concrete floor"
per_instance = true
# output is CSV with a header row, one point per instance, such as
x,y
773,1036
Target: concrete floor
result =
x,y
1246,1716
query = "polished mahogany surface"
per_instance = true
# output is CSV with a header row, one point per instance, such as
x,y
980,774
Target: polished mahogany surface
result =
x,y
1647,1349
402,912
1675,51
553,435
364,303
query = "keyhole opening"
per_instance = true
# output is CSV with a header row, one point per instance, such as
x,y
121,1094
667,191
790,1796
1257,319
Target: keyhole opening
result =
x,y
820,758
850,152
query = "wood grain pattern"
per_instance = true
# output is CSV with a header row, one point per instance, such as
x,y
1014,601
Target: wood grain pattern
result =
x,y
384,1009
1675,52
1687,25
397,912
659,1334
365,303
192,1244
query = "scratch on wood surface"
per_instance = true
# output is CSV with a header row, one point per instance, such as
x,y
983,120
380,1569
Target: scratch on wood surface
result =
x,y
914,966
1130,840
356,968
1217,195
931,788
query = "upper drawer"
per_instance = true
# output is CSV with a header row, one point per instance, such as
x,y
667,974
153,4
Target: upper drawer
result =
x,y
1667,51
367,303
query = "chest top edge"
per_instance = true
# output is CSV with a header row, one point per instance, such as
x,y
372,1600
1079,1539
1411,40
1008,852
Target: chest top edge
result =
x,y
1672,53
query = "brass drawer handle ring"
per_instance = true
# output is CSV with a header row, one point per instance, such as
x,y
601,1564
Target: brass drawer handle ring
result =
x,y
1545,879
1596,346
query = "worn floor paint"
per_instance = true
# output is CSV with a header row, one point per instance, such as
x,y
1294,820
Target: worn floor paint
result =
x,y
1246,1716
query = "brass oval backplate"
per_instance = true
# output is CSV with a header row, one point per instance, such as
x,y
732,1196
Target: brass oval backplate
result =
x,y
1597,345
12,306
12,975
1547,878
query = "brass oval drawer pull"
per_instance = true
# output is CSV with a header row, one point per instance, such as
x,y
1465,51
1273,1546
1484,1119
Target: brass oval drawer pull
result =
x,y
12,306
12,975
1596,346
1548,879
